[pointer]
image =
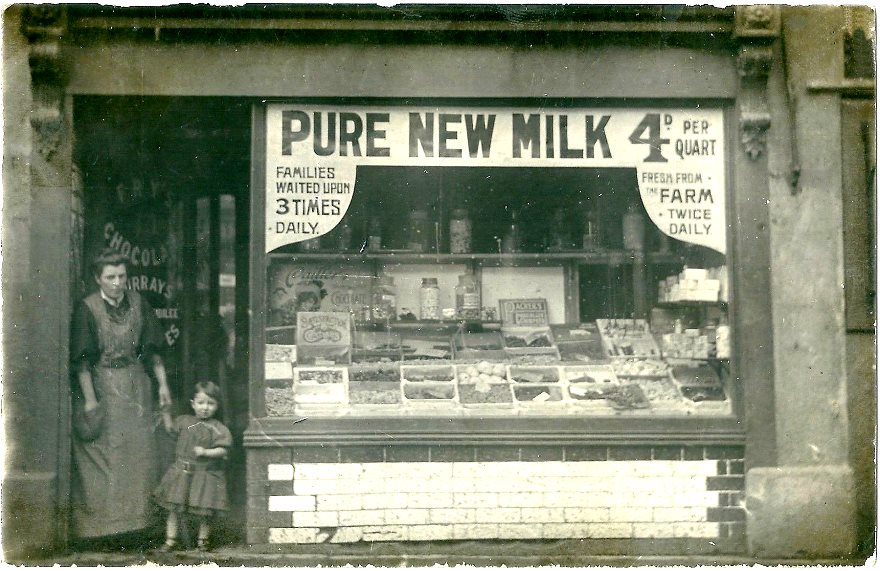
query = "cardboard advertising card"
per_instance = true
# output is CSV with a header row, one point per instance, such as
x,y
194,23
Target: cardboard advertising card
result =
x,y
323,338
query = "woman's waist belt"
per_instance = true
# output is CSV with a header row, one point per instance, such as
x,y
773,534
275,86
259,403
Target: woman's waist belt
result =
x,y
190,466
117,362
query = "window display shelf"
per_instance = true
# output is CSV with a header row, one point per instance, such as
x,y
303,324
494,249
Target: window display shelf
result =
x,y
605,257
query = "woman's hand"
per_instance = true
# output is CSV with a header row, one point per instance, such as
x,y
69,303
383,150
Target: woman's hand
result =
x,y
164,395
91,404
198,451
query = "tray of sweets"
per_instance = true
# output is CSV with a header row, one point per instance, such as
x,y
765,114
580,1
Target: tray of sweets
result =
x,y
320,394
627,397
428,373
484,385
374,394
431,394
427,348
374,385
280,353
320,375
589,385
279,401
497,395
529,340
663,395
533,375
375,347
640,368
535,396
486,345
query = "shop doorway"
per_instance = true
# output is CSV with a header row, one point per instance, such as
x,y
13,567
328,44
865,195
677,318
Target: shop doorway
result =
x,y
166,182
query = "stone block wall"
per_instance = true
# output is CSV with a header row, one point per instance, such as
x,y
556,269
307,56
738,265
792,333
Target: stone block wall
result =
x,y
365,494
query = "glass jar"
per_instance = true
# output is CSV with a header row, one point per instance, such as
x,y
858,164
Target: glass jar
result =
x,y
374,234
633,229
460,232
559,237
429,299
510,243
419,234
384,303
591,240
343,236
467,297
310,245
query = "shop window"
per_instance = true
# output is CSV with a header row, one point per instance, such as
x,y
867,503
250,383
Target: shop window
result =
x,y
464,261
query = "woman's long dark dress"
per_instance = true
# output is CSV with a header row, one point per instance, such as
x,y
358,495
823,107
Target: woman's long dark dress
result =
x,y
114,474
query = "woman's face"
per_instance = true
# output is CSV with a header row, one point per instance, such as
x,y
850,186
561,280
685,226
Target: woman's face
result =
x,y
112,281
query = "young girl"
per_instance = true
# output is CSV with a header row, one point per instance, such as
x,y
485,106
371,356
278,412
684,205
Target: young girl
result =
x,y
196,482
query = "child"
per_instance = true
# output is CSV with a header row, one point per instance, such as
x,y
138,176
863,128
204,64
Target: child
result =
x,y
196,482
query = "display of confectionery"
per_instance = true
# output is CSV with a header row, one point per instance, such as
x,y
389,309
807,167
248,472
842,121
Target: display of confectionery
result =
x,y
523,365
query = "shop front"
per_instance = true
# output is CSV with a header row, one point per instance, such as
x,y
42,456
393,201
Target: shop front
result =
x,y
462,279
493,320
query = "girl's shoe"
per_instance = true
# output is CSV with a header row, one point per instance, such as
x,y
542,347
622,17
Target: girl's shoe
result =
x,y
169,546
202,544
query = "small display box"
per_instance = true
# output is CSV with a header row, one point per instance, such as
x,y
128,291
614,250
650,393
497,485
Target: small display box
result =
x,y
376,347
374,386
320,386
525,327
484,386
627,338
323,338
278,364
487,345
429,385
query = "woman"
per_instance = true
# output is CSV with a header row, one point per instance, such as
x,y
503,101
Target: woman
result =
x,y
114,332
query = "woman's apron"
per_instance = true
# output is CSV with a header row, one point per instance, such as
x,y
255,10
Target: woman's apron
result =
x,y
115,473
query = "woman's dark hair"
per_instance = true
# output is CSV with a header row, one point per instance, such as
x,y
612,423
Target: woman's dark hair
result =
x,y
108,257
210,389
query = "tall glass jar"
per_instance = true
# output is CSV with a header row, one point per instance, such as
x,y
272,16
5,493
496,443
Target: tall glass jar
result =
x,y
460,232
419,234
591,237
429,299
633,228
384,303
467,297
374,234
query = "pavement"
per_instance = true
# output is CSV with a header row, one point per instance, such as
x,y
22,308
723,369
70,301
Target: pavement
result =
x,y
477,554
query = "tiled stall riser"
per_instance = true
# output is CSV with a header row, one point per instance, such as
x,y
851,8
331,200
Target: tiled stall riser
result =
x,y
293,502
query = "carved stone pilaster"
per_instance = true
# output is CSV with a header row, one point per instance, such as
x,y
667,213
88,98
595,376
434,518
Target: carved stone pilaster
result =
x,y
756,27
753,132
758,21
44,26
754,62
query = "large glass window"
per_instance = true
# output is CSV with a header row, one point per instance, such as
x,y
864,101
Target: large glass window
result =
x,y
461,261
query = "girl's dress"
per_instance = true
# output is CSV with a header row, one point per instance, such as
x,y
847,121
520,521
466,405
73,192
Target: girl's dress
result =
x,y
196,485
114,473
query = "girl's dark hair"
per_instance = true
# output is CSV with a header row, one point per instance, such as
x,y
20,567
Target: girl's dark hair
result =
x,y
108,257
211,389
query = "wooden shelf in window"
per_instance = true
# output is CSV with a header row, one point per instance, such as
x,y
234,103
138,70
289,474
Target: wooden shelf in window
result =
x,y
605,257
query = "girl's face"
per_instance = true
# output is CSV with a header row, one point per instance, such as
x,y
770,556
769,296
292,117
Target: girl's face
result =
x,y
203,405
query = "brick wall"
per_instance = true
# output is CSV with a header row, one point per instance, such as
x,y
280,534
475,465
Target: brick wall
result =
x,y
345,495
